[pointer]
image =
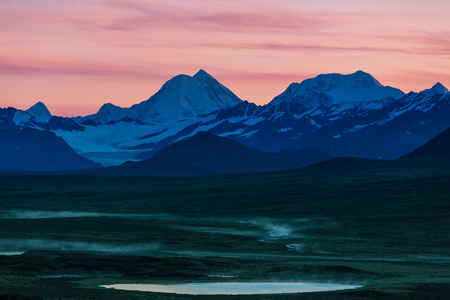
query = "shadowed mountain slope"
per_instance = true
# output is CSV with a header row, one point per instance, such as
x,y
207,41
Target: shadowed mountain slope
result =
x,y
437,148
30,149
207,154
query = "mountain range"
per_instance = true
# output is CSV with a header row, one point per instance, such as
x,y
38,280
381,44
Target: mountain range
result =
x,y
340,115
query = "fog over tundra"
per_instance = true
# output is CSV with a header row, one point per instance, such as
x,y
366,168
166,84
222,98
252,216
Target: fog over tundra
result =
x,y
36,214
19,245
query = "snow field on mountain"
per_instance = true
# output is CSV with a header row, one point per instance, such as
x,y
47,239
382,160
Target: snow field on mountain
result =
x,y
110,144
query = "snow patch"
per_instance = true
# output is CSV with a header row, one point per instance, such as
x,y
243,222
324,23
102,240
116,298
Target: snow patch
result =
x,y
253,121
306,113
285,129
357,128
22,118
314,123
236,132
248,134
197,130
235,119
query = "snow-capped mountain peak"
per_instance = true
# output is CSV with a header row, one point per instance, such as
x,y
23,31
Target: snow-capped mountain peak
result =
x,y
40,112
201,75
327,89
109,110
220,94
438,88
182,97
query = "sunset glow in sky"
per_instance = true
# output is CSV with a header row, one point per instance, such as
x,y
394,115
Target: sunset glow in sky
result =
x,y
76,55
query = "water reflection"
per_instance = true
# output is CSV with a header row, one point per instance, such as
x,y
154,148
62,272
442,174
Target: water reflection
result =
x,y
233,288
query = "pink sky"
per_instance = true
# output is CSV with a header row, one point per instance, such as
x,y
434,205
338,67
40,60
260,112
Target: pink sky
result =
x,y
76,55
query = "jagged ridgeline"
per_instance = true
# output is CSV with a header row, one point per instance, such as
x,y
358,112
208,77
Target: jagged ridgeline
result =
x,y
340,115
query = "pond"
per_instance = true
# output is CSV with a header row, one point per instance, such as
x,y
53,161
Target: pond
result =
x,y
233,288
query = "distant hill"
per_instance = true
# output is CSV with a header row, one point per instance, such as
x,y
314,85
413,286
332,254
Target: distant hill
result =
x,y
207,154
437,148
29,149
295,159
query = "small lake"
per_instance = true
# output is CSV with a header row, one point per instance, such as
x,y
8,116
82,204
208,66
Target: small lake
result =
x,y
233,288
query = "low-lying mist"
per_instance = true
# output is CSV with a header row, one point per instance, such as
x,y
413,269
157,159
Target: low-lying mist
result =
x,y
267,230
37,214
23,245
